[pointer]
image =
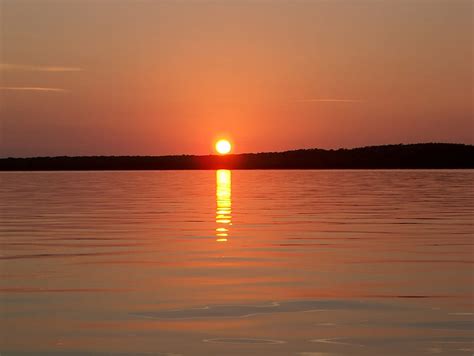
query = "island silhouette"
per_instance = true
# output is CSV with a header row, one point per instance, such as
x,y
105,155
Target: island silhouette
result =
x,y
401,156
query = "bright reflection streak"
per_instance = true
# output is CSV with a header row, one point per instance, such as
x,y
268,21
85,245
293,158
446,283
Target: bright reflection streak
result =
x,y
224,204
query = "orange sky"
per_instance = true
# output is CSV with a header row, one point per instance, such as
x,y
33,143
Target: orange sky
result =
x,y
169,77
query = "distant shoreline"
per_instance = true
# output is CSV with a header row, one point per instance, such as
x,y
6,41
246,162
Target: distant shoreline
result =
x,y
411,156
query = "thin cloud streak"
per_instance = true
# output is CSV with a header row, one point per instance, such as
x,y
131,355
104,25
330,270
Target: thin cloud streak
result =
x,y
39,89
329,101
21,67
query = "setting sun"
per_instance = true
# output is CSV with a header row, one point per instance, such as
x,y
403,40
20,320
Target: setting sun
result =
x,y
223,147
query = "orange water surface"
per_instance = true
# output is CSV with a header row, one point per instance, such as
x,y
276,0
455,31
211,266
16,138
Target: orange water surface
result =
x,y
309,263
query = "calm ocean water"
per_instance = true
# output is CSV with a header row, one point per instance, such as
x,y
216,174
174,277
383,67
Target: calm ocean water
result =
x,y
310,263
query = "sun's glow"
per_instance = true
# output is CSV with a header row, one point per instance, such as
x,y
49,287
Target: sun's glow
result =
x,y
223,147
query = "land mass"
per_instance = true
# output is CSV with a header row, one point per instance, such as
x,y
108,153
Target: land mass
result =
x,y
412,156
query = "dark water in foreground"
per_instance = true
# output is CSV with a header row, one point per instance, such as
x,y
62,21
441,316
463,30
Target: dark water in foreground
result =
x,y
309,263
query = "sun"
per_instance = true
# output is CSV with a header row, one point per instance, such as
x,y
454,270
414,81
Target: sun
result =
x,y
223,147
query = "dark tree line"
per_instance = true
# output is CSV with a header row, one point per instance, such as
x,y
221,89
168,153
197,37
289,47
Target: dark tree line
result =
x,y
427,155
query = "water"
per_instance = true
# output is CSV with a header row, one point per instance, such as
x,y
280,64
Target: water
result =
x,y
310,263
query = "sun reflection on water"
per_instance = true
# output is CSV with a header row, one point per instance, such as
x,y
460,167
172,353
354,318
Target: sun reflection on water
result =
x,y
224,204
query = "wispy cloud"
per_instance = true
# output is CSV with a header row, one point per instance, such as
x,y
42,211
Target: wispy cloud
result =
x,y
330,100
40,89
32,68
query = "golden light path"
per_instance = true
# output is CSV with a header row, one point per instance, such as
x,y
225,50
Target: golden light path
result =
x,y
223,147
224,204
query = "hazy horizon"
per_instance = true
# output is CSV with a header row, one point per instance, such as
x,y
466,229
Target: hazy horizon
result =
x,y
163,78
256,152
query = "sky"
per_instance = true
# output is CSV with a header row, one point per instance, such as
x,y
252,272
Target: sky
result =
x,y
105,77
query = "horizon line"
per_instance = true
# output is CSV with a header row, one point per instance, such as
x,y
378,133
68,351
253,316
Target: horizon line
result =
x,y
242,153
